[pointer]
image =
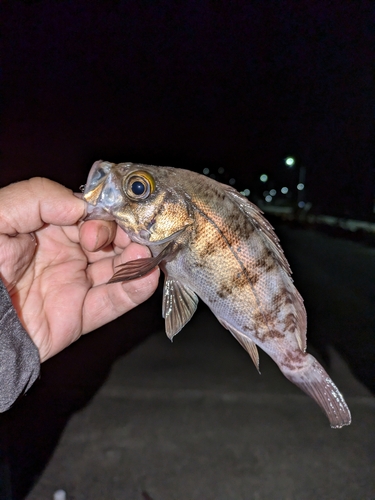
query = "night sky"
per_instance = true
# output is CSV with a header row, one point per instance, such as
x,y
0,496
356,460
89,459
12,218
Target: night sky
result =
x,y
193,84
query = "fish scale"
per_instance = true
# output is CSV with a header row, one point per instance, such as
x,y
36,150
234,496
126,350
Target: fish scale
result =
x,y
212,243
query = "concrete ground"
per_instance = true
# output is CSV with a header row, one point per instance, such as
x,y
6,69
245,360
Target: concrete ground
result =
x,y
193,420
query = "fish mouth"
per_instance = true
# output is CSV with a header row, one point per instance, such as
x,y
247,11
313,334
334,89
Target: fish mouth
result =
x,y
96,213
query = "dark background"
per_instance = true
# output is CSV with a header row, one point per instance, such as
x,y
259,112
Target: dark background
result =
x,y
196,84
193,84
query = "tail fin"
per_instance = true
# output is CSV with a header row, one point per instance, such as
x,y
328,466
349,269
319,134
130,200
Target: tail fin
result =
x,y
315,382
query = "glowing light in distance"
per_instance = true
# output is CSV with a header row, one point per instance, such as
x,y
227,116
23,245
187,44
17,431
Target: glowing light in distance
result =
x,y
221,170
284,190
265,193
301,204
264,178
232,181
300,186
206,171
245,192
273,192
290,161
268,198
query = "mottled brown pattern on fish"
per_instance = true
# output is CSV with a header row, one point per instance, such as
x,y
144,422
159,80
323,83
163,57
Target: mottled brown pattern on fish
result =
x,y
290,322
282,299
210,248
224,291
293,360
266,261
238,230
288,298
275,334
254,277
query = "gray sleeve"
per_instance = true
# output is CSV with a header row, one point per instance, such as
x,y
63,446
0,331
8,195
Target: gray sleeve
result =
x,y
19,356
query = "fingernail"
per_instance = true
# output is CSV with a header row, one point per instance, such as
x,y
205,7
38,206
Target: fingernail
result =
x,y
33,237
102,238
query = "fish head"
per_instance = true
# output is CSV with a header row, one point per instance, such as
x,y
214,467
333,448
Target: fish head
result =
x,y
145,200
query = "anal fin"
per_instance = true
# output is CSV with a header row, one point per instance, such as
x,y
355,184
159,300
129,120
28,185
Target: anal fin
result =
x,y
246,343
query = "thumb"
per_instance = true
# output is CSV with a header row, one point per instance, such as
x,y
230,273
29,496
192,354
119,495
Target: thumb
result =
x,y
27,205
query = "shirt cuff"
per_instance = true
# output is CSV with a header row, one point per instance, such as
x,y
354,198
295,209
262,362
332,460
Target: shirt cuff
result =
x,y
19,356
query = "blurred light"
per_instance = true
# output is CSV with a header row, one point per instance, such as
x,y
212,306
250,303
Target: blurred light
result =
x,y
290,161
264,178
246,192
284,190
232,181
301,204
300,186
268,198
273,192
206,171
221,170
265,193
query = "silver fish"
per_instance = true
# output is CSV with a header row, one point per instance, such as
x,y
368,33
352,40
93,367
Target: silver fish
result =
x,y
212,243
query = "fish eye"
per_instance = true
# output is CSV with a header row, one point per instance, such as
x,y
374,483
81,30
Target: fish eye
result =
x,y
139,185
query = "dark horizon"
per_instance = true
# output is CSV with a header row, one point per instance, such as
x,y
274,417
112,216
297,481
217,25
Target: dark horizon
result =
x,y
236,86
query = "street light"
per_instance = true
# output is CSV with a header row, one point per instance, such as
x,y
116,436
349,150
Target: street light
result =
x,y
290,161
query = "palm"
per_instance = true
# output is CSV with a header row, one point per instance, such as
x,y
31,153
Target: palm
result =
x,y
63,292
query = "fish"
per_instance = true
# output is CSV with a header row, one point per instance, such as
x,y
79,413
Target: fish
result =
x,y
213,244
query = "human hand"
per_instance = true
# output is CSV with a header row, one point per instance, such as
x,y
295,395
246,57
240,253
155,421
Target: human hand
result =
x,y
56,268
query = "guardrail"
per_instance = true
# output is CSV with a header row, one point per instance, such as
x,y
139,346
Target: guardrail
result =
x,y
289,213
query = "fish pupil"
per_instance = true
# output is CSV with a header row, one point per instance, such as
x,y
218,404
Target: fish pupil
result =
x,y
138,188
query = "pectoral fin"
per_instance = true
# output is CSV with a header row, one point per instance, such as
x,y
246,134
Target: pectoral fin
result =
x,y
246,343
179,305
137,268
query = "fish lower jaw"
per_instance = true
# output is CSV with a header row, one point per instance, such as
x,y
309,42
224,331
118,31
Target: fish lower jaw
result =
x,y
141,237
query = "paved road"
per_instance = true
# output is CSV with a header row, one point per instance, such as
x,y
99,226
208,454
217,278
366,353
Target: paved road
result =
x,y
194,420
